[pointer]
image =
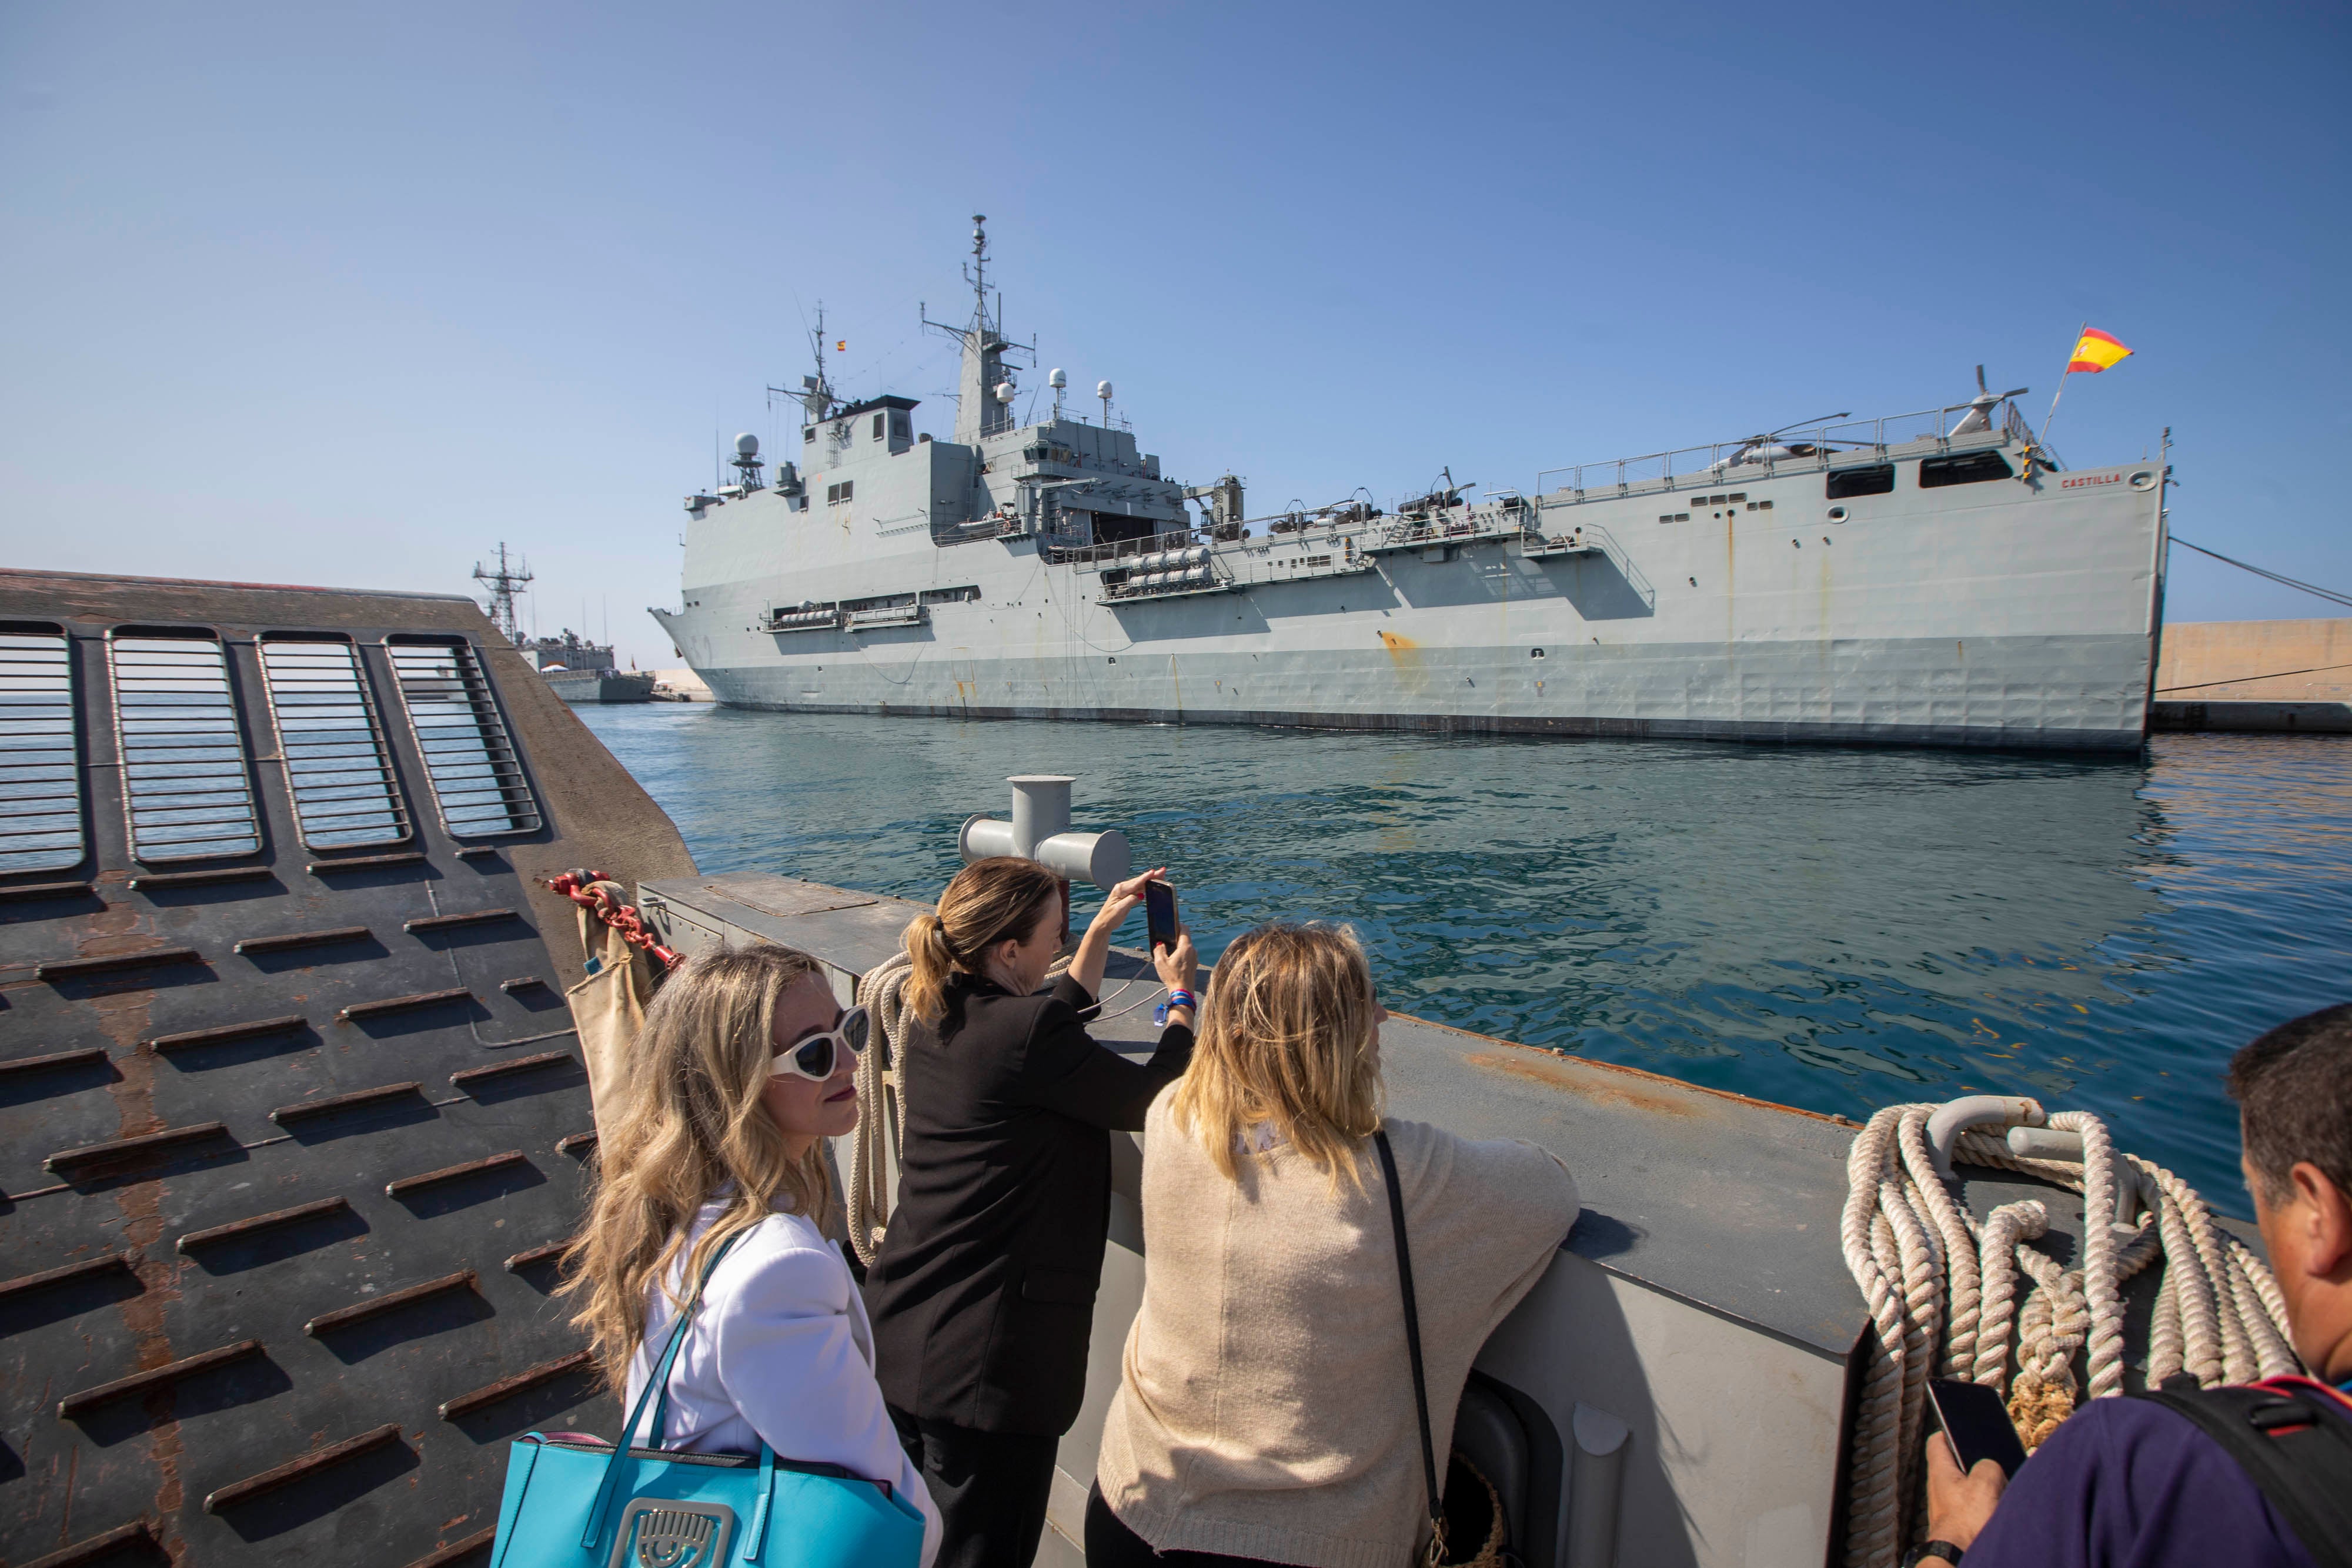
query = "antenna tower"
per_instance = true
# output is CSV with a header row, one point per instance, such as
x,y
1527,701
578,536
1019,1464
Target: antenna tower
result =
x,y
504,584
977,273
815,396
984,388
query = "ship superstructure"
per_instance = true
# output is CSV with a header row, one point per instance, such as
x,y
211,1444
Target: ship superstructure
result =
x,y
1933,577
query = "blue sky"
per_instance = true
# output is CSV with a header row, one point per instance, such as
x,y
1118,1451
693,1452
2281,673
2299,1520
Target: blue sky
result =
x,y
349,296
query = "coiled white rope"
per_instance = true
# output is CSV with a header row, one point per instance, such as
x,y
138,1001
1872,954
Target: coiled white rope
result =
x,y
881,1104
882,1100
1942,1294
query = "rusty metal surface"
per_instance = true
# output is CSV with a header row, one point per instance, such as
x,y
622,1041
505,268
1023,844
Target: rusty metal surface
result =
x,y
1728,1203
257,1227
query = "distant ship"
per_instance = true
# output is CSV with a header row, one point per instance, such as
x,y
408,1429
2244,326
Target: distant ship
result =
x,y
580,671
1937,578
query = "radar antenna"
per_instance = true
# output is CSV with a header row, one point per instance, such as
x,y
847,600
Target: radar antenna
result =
x,y
977,274
504,583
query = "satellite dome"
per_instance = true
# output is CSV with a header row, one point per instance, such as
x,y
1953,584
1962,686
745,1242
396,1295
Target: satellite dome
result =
x,y
1102,389
747,445
1055,379
1005,392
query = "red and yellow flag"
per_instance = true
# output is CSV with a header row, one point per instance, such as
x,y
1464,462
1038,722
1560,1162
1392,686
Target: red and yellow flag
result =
x,y
2095,352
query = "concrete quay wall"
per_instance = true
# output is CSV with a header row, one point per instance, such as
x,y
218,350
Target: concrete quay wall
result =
x,y
2256,661
2253,675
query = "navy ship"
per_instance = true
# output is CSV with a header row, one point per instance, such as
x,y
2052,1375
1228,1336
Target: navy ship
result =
x,y
1934,578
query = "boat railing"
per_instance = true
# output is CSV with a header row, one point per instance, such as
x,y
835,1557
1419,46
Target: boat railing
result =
x,y
1813,447
2015,426
1117,550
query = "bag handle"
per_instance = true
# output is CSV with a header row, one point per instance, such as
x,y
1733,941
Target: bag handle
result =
x,y
659,1382
1436,1553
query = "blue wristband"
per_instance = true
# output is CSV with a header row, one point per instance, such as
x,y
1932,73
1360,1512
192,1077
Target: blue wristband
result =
x,y
1181,998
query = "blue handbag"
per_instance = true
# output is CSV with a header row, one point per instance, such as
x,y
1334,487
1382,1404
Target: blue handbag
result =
x,y
574,1501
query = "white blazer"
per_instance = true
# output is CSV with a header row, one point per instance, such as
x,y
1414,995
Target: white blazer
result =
x,y
780,1352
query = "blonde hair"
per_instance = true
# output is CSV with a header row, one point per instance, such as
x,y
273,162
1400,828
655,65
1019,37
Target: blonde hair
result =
x,y
1287,1037
988,901
693,1128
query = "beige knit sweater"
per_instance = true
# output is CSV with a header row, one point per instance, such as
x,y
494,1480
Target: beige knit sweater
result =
x,y
1264,1406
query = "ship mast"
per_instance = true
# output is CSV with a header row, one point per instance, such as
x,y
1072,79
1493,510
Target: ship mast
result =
x,y
980,409
816,397
503,584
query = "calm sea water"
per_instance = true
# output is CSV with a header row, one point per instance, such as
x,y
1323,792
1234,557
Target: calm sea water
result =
x,y
1834,929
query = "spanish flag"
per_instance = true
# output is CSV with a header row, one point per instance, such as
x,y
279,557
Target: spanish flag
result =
x,y
2095,352
843,348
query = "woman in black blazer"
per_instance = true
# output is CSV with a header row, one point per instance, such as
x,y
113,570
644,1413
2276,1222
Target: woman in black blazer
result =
x,y
982,1293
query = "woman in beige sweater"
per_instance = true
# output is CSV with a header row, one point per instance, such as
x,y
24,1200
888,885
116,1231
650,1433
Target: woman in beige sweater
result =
x,y
1265,1408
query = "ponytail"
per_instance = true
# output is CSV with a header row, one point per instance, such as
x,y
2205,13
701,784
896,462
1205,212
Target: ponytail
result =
x,y
988,901
926,944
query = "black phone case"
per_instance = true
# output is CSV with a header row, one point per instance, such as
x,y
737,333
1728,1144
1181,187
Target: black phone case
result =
x,y
1155,933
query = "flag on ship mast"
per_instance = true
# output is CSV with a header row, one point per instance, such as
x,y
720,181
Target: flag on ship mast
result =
x,y
2095,351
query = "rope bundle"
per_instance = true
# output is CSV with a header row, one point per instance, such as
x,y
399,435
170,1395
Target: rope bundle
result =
x,y
882,1104
1943,1294
882,1098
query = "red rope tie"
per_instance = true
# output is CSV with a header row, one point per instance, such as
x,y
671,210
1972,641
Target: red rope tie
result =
x,y
591,891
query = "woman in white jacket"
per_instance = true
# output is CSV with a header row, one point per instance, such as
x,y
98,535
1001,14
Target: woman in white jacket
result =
x,y
744,1065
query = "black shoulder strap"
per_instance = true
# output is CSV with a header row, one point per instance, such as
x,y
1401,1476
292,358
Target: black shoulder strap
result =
x,y
2294,1445
1413,1342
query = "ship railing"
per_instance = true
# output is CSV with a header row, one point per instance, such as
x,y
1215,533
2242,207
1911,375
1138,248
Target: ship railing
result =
x,y
1334,521
2020,432
1812,448
1117,550
1504,517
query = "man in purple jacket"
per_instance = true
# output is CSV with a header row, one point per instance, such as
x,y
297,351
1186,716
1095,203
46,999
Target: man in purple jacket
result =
x,y
2133,1484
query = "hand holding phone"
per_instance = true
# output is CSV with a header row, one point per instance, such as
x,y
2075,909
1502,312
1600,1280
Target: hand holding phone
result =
x,y
1976,1424
1160,915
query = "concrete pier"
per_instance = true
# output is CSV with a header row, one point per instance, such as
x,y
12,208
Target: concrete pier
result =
x,y
2255,675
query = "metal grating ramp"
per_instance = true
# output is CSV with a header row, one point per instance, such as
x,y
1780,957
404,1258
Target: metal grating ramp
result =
x,y
454,719
291,1116
188,785
40,781
338,768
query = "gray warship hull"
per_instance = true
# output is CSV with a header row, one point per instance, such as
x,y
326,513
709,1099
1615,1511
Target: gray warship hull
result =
x,y
1929,579
582,686
2025,619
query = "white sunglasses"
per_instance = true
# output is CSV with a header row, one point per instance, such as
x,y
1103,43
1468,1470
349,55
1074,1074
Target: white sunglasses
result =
x,y
818,1057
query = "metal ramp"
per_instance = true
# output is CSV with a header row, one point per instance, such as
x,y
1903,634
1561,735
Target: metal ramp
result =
x,y
291,1116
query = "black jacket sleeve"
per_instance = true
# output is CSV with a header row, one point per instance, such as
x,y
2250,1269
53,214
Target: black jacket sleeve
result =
x,y
1066,1071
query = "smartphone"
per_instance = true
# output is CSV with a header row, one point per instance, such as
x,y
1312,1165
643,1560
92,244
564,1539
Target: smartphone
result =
x,y
1159,913
1975,1419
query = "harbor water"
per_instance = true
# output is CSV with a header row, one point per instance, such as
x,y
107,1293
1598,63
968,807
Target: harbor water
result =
x,y
1836,929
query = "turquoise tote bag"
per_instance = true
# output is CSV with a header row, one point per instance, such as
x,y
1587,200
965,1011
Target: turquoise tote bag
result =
x,y
579,1502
